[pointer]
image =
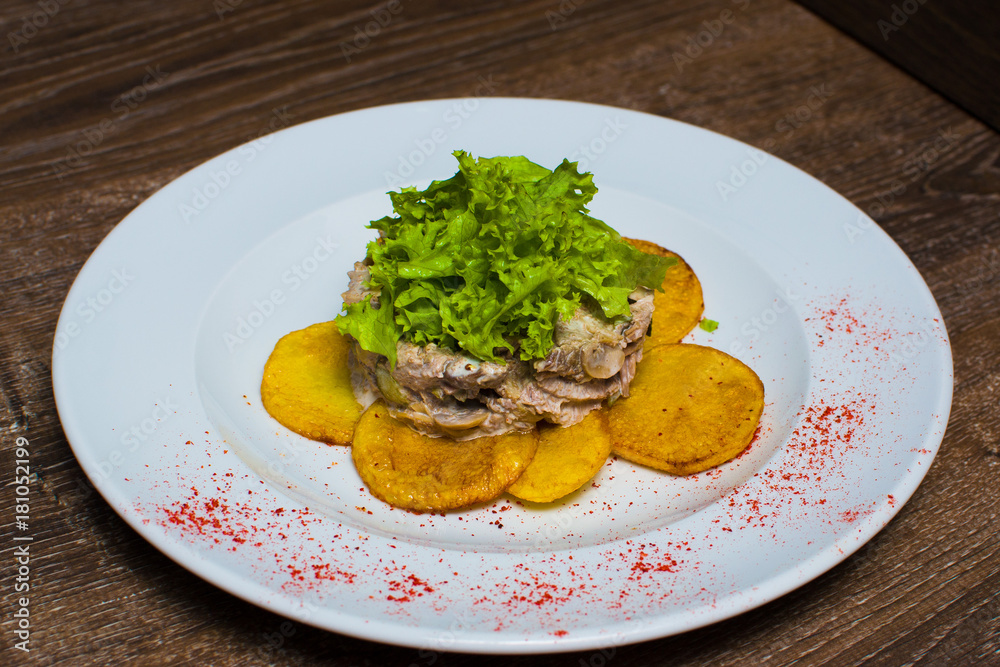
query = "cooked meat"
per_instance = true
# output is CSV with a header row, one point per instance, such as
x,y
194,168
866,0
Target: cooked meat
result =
x,y
642,314
429,367
357,290
588,346
581,391
440,392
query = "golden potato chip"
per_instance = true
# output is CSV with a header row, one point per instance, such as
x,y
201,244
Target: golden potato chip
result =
x,y
680,306
307,384
690,408
567,458
410,470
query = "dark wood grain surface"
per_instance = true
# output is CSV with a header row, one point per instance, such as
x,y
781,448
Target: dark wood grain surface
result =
x,y
950,46
79,150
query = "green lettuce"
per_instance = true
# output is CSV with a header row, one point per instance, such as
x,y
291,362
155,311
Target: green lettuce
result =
x,y
488,259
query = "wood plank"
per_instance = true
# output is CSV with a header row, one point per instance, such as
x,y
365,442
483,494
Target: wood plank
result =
x,y
950,46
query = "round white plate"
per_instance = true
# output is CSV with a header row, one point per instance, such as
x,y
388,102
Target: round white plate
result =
x,y
162,340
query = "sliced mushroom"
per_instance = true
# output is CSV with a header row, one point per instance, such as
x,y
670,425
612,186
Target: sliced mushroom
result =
x,y
461,419
602,361
450,416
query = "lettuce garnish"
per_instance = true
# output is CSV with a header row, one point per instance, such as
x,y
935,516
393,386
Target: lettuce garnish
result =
x,y
486,260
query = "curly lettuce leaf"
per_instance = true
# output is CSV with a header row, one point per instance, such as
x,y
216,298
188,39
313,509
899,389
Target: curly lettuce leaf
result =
x,y
489,259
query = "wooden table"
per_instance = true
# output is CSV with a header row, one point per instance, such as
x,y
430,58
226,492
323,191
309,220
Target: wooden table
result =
x,y
104,103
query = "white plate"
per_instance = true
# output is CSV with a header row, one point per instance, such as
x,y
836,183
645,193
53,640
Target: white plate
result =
x,y
162,339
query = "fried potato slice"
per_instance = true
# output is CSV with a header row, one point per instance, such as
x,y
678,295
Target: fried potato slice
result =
x,y
690,408
567,458
413,471
307,384
680,306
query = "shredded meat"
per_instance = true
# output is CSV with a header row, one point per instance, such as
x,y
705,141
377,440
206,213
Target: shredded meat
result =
x,y
440,392
357,289
429,367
